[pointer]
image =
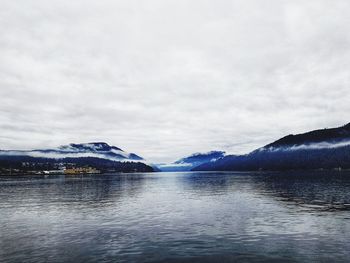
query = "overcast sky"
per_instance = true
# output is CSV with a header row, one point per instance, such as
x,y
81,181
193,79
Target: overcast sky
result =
x,y
166,78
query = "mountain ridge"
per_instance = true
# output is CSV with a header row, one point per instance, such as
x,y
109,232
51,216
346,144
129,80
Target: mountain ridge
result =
x,y
320,135
318,149
90,149
191,161
96,156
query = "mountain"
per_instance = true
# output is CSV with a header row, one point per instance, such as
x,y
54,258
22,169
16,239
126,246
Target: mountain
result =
x,y
192,161
98,155
92,149
318,139
319,149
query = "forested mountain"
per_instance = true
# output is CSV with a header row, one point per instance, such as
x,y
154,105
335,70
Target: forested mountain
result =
x,y
189,162
97,155
319,149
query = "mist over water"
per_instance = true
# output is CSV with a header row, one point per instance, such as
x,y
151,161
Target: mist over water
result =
x,y
176,217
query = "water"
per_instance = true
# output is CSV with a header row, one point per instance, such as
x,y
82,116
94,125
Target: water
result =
x,y
176,217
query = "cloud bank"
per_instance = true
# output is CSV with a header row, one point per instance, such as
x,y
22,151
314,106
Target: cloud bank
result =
x,y
165,78
310,146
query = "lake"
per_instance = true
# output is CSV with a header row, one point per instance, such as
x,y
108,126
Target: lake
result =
x,y
176,217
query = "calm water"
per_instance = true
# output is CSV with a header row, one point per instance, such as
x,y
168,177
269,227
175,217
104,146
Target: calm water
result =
x,y
176,217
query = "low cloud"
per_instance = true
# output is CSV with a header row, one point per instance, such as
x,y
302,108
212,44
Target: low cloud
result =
x,y
311,146
61,155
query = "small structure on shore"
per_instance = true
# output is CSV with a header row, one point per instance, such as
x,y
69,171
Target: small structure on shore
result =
x,y
81,170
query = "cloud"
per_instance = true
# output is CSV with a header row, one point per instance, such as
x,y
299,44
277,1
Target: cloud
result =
x,y
174,165
310,146
166,78
58,155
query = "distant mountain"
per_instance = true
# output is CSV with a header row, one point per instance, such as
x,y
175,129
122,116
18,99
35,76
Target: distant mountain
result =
x,y
92,149
324,138
98,155
319,149
194,160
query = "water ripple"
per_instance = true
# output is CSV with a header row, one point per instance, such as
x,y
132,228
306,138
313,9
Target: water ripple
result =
x,y
176,217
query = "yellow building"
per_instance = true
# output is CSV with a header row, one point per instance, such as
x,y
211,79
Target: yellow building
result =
x,y
81,170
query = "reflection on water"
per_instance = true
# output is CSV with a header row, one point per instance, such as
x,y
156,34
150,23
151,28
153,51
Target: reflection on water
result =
x,y
317,190
176,217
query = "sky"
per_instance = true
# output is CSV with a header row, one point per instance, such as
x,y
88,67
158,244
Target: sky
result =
x,y
167,78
